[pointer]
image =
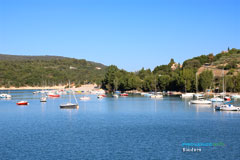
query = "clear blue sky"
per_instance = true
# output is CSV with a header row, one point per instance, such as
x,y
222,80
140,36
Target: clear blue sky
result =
x,y
128,33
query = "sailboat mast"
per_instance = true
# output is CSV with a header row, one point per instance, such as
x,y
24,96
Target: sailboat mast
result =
x,y
223,82
69,92
196,84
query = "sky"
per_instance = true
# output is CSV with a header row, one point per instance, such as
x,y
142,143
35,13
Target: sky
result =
x,y
128,33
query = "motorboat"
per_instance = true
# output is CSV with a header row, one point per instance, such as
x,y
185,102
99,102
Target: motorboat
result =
x,y
43,99
198,96
54,95
22,103
201,101
159,96
124,94
115,95
227,107
226,98
69,106
100,96
84,98
5,95
236,96
217,99
187,95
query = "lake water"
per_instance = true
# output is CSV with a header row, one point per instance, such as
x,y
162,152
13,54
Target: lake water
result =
x,y
123,128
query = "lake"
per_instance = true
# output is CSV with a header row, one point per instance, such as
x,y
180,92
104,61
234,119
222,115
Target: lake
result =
x,y
124,128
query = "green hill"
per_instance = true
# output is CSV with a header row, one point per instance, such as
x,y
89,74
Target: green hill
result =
x,y
47,70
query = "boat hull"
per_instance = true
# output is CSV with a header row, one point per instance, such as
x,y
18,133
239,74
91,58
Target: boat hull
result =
x,y
71,106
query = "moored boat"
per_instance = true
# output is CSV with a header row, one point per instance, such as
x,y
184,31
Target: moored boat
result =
x,y
5,95
227,107
43,99
187,95
22,103
69,106
124,95
115,95
217,99
236,96
156,96
201,101
226,98
84,98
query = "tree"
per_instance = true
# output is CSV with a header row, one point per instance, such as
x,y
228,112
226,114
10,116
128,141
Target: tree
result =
x,y
205,80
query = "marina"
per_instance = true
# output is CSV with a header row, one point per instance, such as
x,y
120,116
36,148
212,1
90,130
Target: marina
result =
x,y
136,120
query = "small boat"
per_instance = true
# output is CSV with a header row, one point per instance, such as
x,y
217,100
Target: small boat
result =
x,y
124,94
84,98
22,103
217,99
5,95
187,95
69,106
156,96
54,95
201,101
198,96
100,96
43,99
227,107
226,98
115,96
236,96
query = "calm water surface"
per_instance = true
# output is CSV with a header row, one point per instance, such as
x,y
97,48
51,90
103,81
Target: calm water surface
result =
x,y
123,128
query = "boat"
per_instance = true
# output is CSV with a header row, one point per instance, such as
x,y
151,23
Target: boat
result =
x,y
54,95
187,95
227,107
115,95
236,96
100,96
217,99
22,103
43,99
84,98
5,95
226,98
201,101
70,105
198,95
158,96
124,95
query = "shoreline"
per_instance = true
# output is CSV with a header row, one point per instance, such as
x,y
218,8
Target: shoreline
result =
x,y
82,87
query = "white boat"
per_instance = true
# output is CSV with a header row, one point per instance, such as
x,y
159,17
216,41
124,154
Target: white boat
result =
x,y
115,96
43,99
100,96
217,99
236,96
187,95
200,101
70,105
84,98
159,96
198,95
227,107
5,95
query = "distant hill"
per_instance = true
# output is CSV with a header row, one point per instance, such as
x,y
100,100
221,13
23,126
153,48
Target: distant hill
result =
x,y
229,61
19,71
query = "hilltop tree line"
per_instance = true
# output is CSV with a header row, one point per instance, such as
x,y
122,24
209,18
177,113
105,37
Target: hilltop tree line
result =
x,y
47,71
165,78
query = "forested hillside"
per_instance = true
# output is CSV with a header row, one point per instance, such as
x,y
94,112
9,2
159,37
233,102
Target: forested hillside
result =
x,y
209,70
47,70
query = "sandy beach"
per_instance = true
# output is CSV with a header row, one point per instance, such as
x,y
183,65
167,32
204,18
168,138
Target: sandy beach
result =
x,y
86,87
